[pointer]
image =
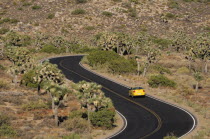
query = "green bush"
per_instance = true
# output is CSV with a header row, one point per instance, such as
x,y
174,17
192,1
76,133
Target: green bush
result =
x,y
108,14
90,28
49,49
78,125
134,1
112,61
80,1
103,118
7,131
160,80
3,85
78,12
27,4
28,80
2,67
173,4
15,39
161,69
71,136
4,30
121,66
170,15
51,16
77,114
132,12
35,105
96,58
36,7
164,43
4,119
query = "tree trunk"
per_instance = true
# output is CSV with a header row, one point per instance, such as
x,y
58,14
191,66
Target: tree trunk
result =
x,y
205,67
15,80
88,118
138,68
196,87
145,70
55,111
38,89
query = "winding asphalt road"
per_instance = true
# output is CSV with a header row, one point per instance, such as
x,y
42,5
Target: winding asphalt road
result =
x,y
146,117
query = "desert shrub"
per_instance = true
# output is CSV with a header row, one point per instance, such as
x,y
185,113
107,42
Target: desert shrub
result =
x,y
132,12
161,69
108,14
101,57
36,7
4,30
160,80
134,1
13,21
163,43
48,48
78,125
51,16
28,80
78,11
110,59
2,67
121,65
170,15
183,70
103,118
3,85
80,1
90,28
35,105
4,119
173,4
71,136
27,4
7,131
15,39
77,114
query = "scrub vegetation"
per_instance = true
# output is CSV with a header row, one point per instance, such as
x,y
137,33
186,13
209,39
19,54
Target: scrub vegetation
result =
x,y
163,47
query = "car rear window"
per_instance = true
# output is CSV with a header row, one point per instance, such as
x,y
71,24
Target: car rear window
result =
x,y
134,88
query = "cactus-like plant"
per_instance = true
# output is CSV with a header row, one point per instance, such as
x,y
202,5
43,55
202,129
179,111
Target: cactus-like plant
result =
x,y
57,93
91,97
201,50
21,59
151,57
48,72
181,41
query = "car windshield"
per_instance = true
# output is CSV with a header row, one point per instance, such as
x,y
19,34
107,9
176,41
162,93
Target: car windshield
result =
x,y
135,88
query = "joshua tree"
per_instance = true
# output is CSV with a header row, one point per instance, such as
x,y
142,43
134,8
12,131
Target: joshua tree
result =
x,y
181,41
21,59
92,97
48,72
151,57
198,77
201,50
57,93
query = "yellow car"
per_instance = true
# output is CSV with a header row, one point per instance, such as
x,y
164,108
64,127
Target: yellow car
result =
x,y
136,91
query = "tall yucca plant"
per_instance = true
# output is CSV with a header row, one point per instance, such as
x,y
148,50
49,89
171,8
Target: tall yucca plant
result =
x,y
57,94
48,72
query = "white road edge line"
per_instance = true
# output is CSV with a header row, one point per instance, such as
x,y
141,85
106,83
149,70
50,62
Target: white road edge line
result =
x,y
122,116
191,115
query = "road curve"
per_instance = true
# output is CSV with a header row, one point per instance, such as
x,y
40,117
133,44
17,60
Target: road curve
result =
x,y
146,117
